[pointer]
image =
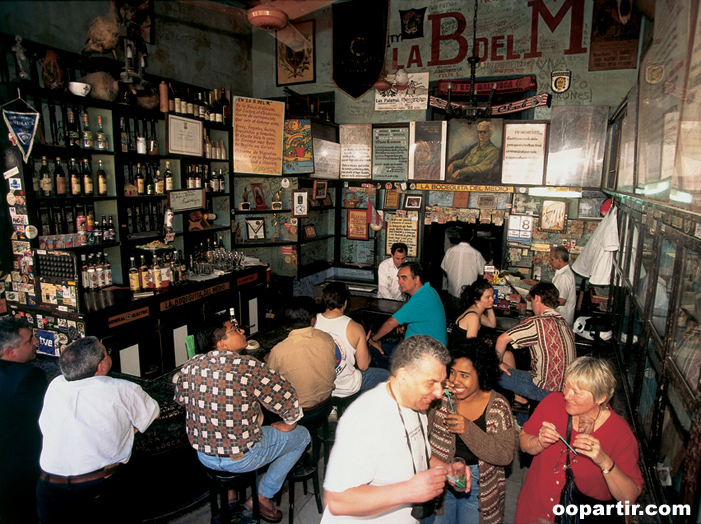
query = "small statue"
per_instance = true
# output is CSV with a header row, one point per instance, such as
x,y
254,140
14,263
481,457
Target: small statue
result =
x,y
244,205
277,200
22,60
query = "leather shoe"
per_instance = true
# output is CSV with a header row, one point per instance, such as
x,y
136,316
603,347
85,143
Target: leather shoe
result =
x,y
267,514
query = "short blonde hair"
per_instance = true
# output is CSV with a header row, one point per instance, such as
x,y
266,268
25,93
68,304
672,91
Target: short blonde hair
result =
x,y
594,375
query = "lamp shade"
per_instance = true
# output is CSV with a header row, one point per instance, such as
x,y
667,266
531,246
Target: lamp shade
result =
x,y
267,17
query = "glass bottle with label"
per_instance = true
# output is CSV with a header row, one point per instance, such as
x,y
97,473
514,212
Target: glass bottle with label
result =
x,y
106,270
92,277
111,232
156,271
144,274
101,179
134,283
72,129
150,182
76,182
123,135
168,178
153,139
160,183
60,178
100,136
87,141
99,272
46,182
88,186
140,182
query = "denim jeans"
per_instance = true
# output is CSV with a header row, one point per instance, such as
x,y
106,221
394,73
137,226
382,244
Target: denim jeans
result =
x,y
372,377
279,449
381,360
521,383
460,507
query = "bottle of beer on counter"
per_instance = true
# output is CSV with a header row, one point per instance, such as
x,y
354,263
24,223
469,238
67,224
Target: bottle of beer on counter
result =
x,y
88,186
168,178
76,182
101,179
87,141
106,270
100,136
144,274
140,182
60,178
46,182
134,283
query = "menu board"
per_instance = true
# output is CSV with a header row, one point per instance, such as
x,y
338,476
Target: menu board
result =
x,y
356,150
258,130
390,153
403,229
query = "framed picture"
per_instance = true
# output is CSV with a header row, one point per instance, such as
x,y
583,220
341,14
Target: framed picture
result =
x,y
320,187
357,224
553,215
184,136
255,228
300,203
259,196
327,200
523,160
474,151
413,201
296,65
309,231
391,199
486,201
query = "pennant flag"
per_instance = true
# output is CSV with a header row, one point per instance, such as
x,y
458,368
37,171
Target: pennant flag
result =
x,y
374,218
23,128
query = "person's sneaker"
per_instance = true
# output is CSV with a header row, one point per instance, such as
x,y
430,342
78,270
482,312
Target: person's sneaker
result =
x,y
271,514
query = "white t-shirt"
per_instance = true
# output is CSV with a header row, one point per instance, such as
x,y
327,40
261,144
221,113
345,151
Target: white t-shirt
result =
x,y
596,259
89,424
348,377
565,284
463,264
371,449
388,281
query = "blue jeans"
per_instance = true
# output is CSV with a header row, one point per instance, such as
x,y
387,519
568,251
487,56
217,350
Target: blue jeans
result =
x,y
381,360
521,383
279,449
460,507
372,377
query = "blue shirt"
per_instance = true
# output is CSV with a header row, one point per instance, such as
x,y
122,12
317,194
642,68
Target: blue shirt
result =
x,y
424,315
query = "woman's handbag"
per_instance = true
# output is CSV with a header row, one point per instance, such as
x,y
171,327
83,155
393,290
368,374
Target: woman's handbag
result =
x,y
571,496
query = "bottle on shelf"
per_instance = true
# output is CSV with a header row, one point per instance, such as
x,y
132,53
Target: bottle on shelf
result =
x,y
168,178
92,276
166,276
201,106
59,178
88,185
207,147
84,271
134,283
130,221
160,183
222,181
226,110
123,135
190,178
137,219
198,178
73,129
153,139
111,231
183,274
156,272
140,137
76,182
106,270
99,272
221,241
100,136
195,106
147,219
144,274
177,101
101,179
216,108
87,139
140,181
105,230
190,104
208,107
150,182
46,182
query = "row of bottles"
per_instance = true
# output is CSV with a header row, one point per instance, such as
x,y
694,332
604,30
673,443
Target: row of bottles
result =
x,y
147,179
138,136
163,272
78,181
79,134
95,271
211,107
198,176
145,216
204,252
214,149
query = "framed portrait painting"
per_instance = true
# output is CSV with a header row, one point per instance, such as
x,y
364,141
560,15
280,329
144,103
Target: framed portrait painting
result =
x,y
553,215
474,151
296,63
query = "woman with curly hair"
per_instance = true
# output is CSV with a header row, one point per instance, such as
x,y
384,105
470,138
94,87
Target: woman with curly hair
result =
x,y
477,299
482,420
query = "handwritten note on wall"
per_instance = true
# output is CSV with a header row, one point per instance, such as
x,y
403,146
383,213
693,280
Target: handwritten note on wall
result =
x,y
258,128
186,199
403,229
356,150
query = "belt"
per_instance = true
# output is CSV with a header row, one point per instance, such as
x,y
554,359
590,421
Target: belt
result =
x,y
310,408
103,473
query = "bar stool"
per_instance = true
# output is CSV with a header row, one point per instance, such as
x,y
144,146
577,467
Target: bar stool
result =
x,y
220,484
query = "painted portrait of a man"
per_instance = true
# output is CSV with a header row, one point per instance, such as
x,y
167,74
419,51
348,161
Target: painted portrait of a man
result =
x,y
474,159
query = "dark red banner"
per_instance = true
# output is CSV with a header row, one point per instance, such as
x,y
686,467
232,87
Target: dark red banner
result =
x,y
514,85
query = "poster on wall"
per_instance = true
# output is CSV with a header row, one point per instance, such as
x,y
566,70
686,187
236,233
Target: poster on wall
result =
x,y
576,146
258,130
403,229
614,37
408,91
390,153
427,146
297,151
474,152
327,159
524,153
356,150
357,224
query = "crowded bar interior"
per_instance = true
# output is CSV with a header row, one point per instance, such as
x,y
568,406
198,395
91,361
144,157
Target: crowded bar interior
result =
x,y
193,178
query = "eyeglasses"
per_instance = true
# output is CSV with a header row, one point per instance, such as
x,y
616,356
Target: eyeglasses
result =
x,y
561,464
482,132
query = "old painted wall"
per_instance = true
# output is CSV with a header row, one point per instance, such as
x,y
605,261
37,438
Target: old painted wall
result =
x,y
193,45
510,44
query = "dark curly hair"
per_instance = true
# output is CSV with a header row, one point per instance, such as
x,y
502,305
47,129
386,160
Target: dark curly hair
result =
x,y
483,359
472,293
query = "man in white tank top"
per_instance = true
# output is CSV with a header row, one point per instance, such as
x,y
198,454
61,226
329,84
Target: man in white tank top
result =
x,y
353,373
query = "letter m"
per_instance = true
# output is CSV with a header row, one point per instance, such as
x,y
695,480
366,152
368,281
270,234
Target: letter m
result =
x,y
576,25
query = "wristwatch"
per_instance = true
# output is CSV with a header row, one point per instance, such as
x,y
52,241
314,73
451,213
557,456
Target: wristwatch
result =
x,y
607,471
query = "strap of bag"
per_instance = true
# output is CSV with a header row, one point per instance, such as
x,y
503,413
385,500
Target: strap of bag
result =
x,y
569,435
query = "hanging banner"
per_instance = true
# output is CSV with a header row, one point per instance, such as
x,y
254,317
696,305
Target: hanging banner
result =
x,y
513,85
23,128
542,99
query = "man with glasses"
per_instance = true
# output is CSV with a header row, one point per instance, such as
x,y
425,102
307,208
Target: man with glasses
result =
x,y
88,422
222,392
22,388
479,160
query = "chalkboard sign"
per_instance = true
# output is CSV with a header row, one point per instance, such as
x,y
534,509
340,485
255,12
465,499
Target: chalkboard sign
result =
x,y
186,199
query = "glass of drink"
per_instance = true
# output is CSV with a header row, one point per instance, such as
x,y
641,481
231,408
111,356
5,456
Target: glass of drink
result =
x,y
585,425
459,469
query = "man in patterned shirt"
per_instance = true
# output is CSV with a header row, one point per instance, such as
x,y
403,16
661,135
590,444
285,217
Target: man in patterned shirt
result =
x,y
551,343
222,392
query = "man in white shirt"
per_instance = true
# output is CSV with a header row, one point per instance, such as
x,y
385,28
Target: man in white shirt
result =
x,y
462,265
380,465
564,282
88,423
387,279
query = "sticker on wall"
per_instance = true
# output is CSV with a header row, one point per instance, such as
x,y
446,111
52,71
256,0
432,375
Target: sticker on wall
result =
x,y
10,199
288,259
560,81
15,184
285,183
31,231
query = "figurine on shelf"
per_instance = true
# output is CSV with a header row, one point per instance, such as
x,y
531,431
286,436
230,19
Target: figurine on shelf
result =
x,y
197,220
245,205
22,60
277,200
276,235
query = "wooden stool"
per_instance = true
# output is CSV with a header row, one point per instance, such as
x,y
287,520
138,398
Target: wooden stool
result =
x,y
220,484
305,469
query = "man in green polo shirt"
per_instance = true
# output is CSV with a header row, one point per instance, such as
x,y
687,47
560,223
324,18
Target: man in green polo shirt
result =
x,y
423,314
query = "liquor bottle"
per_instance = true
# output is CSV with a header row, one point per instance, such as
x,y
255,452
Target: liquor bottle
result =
x,y
140,137
105,230
168,178
134,283
124,135
220,244
76,182
140,182
150,182
171,99
153,139
96,233
101,179
88,186
59,178
90,221
73,129
106,270
190,178
207,147
160,183
202,106
222,182
137,219
226,110
100,136
195,106
92,277
46,182
144,274
165,271
198,178
190,111
213,182
208,252
177,107
87,137
111,231
84,271
157,277
216,107
147,219
130,221
99,272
